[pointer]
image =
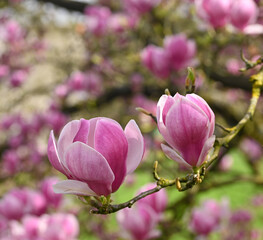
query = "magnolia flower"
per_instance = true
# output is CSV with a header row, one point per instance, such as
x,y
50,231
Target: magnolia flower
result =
x,y
19,202
157,201
138,223
208,217
95,155
97,19
140,6
187,125
156,60
216,12
52,199
58,226
179,50
243,12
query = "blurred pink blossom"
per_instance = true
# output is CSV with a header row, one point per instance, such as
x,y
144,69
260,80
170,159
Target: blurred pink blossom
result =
x,y
97,18
4,71
233,66
58,226
18,77
52,198
13,32
19,202
216,12
226,162
55,120
138,222
179,50
11,161
156,60
251,148
77,81
140,6
243,13
120,22
157,201
62,90
208,217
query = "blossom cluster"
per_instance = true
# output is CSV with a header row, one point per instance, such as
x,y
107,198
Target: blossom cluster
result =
x,y
140,221
13,67
239,13
24,214
178,52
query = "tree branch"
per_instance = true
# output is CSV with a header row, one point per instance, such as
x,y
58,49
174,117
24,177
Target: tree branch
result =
x,y
70,5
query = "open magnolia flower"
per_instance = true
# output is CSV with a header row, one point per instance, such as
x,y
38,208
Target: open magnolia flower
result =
x,y
95,155
187,124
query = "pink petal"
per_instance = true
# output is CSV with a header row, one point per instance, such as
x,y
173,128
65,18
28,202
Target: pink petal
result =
x,y
206,148
161,126
188,127
92,129
200,102
168,104
53,154
160,107
73,187
82,134
135,146
66,137
169,152
88,165
111,142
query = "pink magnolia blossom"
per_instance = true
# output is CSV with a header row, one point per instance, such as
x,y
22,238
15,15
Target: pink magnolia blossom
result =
x,y
52,198
58,226
94,83
97,19
187,125
89,81
120,22
243,12
252,148
19,202
18,77
138,222
240,216
233,65
140,6
13,31
11,161
77,81
208,217
55,119
179,50
157,201
156,60
62,90
226,162
95,155
216,12
4,71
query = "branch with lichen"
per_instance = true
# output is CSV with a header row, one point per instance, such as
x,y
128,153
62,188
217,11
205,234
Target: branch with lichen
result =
x,y
103,206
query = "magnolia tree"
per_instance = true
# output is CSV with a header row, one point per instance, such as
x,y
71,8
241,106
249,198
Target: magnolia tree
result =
x,y
146,113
